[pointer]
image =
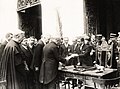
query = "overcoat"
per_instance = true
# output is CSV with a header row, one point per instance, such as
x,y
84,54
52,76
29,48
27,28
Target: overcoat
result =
x,y
12,69
85,57
50,63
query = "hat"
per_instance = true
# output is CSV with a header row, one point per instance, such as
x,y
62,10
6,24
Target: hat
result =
x,y
119,33
82,39
99,36
112,35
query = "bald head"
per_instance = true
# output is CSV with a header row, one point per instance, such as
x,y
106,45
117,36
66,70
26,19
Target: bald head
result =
x,y
46,38
9,36
19,36
57,40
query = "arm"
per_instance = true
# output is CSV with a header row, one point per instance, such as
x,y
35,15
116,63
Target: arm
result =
x,y
58,57
85,52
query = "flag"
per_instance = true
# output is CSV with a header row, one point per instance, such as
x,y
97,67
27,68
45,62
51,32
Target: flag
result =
x,y
59,25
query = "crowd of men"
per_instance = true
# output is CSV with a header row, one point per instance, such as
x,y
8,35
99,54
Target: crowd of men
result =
x,y
28,63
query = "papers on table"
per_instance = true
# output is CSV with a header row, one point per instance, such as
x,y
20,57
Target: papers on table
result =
x,y
71,56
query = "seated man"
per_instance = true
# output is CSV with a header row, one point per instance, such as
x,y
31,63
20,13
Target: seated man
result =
x,y
85,58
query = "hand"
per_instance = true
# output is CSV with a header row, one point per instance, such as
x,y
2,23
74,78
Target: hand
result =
x,y
68,58
108,66
92,51
36,68
74,55
78,64
26,68
3,82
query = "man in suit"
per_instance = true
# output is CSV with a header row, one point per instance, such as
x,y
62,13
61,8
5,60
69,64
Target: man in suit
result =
x,y
50,64
37,56
27,61
73,50
31,44
85,58
65,46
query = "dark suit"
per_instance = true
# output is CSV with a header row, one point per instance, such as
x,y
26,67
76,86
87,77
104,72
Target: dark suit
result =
x,y
27,56
36,62
50,64
85,57
74,49
37,56
65,50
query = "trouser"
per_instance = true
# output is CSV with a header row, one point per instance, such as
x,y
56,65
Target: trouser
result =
x,y
37,84
52,85
21,76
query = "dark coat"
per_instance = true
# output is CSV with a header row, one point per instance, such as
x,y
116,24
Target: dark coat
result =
x,y
74,49
2,48
85,57
27,55
37,56
12,67
65,50
50,63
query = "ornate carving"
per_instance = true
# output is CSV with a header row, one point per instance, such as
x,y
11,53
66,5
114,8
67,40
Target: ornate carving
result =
x,y
91,16
23,4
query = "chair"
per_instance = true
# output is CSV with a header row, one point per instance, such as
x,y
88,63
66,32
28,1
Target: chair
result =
x,y
103,57
106,83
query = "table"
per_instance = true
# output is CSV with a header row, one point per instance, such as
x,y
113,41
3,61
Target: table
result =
x,y
86,75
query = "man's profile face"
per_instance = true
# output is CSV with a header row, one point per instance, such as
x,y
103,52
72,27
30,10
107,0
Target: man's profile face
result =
x,y
74,41
47,40
78,41
21,37
66,41
58,41
10,37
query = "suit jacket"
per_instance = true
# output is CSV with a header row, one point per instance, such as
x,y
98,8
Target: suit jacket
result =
x,y
78,51
27,55
73,48
37,56
85,57
65,50
50,63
